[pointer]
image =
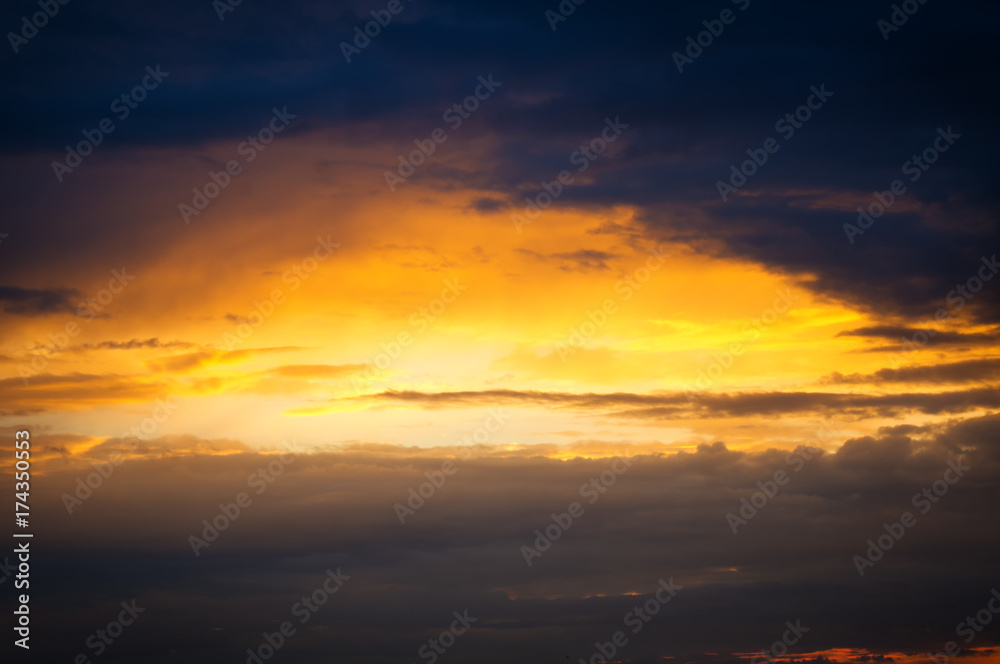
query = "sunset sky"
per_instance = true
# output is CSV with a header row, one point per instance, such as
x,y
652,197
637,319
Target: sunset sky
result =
x,y
529,238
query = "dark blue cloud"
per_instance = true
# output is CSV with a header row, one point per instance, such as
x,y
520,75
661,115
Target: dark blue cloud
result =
x,y
605,60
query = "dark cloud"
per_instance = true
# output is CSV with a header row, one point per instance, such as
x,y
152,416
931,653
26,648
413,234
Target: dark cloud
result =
x,y
38,302
707,404
486,204
664,517
901,334
584,259
953,372
133,344
581,260
685,129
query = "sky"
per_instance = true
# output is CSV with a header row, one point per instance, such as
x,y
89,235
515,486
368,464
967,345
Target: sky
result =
x,y
424,281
